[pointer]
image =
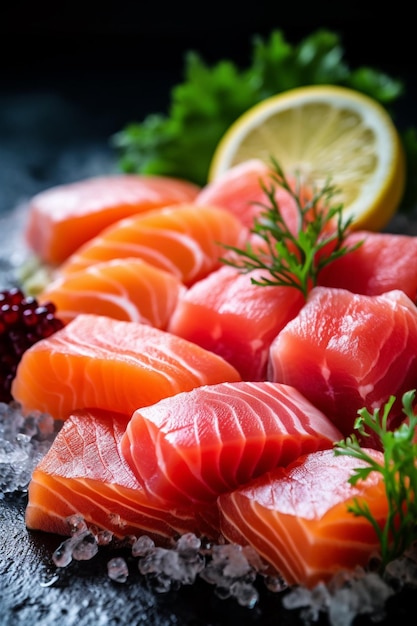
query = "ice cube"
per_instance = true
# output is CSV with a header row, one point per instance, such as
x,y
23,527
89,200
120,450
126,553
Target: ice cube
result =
x,y
188,544
245,594
142,546
84,546
117,569
76,523
62,556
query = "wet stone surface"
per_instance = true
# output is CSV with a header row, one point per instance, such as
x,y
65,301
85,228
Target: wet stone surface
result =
x,y
32,590
85,595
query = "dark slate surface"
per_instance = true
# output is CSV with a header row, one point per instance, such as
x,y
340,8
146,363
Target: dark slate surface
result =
x,y
85,596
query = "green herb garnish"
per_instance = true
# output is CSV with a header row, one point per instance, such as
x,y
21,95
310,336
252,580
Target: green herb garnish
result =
x,y
399,471
201,108
294,259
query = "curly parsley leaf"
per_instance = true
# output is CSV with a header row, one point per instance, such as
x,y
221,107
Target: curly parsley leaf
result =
x,y
398,470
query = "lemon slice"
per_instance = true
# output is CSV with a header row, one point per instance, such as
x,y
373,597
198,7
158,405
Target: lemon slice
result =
x,y
322,132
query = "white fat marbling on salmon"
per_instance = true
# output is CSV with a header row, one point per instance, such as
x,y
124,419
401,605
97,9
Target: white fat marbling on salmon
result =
x,y
346,351
240,318
164,361
83,472
158,251
127,289
116,190
183,239
111,364
273,541
193,446
297,516
64,217
110,509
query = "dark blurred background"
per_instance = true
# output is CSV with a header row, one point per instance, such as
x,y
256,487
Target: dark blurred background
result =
x,y
105,49
155,33
74,73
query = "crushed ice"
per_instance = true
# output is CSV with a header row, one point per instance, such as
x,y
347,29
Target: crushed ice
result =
x,y
23,442
117,569
343,599
82,546
232,570
168,569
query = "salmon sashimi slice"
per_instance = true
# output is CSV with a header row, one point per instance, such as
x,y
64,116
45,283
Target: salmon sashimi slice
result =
x,y
97,361
346,351
185,239
195,445
383,262
64,217
83,473
227,314
297,517
125,289
238,190
241,191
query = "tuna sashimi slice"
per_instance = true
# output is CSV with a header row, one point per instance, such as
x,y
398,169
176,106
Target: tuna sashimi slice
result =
x,y
297,517
84,473
346,351
97,361
184,239
64,217
227,314
193,446
125,289
383,262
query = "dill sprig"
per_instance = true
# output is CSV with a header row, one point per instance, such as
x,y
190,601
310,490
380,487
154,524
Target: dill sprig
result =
x,y
399,472
294,259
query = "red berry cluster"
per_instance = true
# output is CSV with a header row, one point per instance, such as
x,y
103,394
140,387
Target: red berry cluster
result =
x,y
23,322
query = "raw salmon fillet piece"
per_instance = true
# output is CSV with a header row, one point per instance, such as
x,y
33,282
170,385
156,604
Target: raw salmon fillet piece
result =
x,y
297,517
195,445
240,190
184,239
383,262
96,361
64,217
227,314
346,351
125,289
84,473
